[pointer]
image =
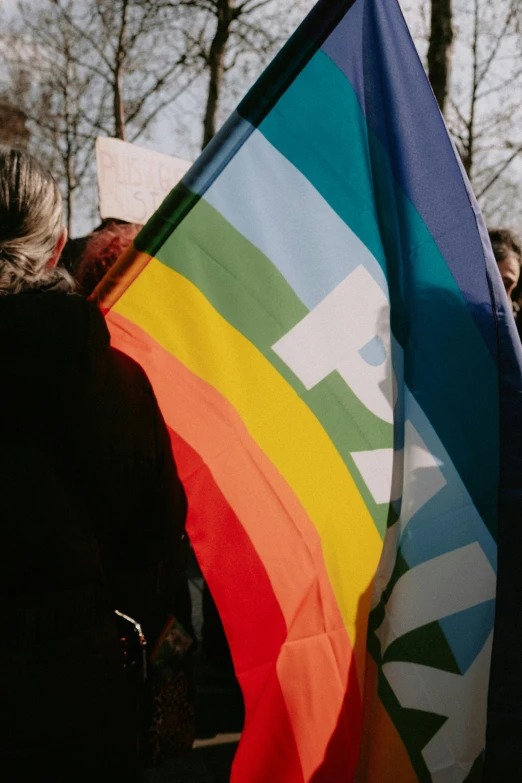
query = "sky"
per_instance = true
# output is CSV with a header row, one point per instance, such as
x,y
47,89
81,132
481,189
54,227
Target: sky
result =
x,y
178,130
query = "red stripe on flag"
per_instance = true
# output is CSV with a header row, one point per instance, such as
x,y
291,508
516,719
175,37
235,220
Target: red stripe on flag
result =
x,y
255,628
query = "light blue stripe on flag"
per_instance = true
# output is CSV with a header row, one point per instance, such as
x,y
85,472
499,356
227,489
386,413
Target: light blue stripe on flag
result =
x,y
252,194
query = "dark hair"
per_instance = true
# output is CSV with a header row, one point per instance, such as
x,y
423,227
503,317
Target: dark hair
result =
x,y
101,251
30,223
504,243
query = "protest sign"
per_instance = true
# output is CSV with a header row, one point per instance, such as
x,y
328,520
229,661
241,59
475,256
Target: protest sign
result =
x,y
133,181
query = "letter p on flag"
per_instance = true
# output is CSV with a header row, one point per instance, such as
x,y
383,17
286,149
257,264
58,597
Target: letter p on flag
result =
x,y
348,331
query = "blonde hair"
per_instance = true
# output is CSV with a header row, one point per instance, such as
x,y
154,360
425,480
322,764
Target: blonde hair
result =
x,y
30,224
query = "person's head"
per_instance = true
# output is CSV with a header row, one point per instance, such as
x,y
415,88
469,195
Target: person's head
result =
x,y
101,251
507,248
32,234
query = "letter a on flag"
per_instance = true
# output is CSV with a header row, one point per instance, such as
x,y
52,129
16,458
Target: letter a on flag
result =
x,y
323,322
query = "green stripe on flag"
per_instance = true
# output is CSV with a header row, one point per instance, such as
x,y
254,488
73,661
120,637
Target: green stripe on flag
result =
x,y
250,293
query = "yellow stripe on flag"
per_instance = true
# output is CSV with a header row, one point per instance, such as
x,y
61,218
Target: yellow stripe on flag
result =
x,y
177,315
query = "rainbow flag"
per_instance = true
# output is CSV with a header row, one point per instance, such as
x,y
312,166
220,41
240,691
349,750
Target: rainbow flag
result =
x,y
319,312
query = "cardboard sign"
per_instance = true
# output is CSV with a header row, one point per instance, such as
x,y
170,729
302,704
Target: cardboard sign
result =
x,y
133,181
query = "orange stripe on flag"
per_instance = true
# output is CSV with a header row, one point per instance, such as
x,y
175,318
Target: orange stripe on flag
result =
x,y
316,661
383,757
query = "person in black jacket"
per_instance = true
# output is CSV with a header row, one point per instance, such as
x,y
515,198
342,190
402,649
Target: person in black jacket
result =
x,y
93,511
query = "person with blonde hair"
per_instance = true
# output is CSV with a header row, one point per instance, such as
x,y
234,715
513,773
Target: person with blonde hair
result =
x,y
30,244
93,511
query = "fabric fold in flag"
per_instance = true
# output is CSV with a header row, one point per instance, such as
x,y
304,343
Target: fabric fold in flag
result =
x,y
323,323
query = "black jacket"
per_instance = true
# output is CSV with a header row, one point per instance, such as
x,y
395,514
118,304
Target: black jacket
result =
x,y
92,519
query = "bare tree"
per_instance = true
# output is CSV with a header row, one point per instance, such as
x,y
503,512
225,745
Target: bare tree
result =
x,y
137,53
440,48
94,67
244,32
234,39
483,105
53,97
485,110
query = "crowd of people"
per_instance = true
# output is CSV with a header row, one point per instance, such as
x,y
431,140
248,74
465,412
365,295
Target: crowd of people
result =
x,y
93,509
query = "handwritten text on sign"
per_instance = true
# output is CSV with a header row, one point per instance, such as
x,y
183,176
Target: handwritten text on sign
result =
x,y
133,181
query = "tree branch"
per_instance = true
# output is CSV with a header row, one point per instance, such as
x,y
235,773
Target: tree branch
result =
x,y
500,171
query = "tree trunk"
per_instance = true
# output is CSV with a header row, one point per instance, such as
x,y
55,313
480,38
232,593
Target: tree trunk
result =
x,y
216,62
119,109
469,152
70,192
439,51
68,158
